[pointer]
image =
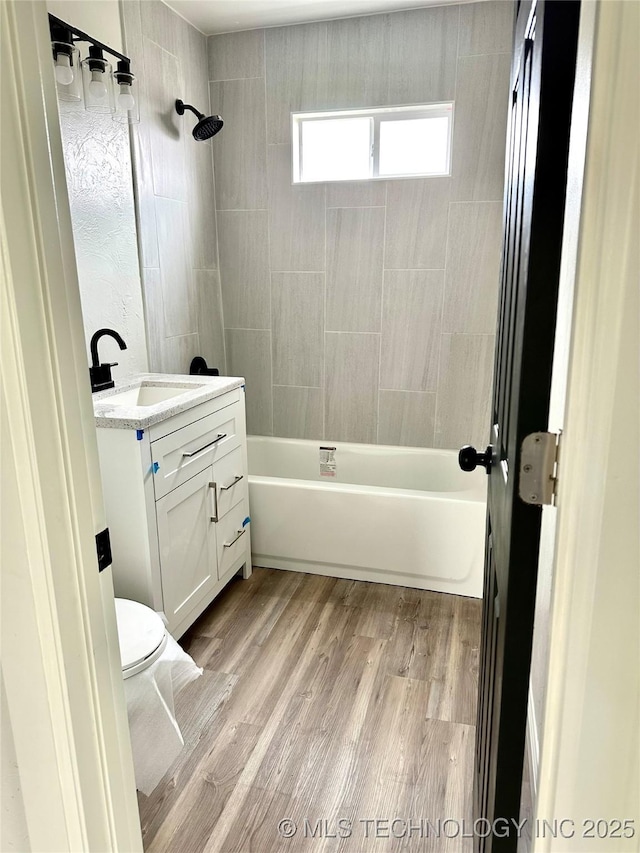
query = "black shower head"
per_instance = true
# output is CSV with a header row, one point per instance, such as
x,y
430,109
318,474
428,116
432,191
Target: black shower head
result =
x,y
206,127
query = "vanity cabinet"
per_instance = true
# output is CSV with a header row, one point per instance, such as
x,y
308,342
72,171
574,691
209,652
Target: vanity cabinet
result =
x,y
176,498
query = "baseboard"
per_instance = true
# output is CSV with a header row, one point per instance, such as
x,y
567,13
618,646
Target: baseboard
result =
x,y
533,745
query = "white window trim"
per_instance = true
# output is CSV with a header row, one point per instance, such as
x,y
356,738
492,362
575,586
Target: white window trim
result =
x,y
377,115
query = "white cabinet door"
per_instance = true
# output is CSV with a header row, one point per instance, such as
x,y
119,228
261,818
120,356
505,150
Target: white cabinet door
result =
x,y
187,538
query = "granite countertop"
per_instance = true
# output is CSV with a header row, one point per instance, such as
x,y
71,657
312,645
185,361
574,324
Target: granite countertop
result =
x,y
126,415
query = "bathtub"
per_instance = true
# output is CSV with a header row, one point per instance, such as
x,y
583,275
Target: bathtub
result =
x,y
395,515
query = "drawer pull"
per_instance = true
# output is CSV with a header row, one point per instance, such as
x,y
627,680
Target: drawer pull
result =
x,y
214,517
233,541
204,447
237,479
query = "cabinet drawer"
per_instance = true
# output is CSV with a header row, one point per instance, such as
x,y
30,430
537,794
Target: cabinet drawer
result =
x,y
232,538
185,452
230,480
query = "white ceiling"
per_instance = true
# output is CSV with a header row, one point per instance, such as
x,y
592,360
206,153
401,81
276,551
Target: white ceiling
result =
x,y
224,16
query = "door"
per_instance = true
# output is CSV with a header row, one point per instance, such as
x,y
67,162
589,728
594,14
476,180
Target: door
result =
x,y
542,81
187,538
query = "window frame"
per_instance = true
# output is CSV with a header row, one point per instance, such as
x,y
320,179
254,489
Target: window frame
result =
x,y
440,109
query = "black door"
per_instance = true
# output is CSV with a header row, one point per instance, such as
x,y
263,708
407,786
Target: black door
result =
x,y
542,79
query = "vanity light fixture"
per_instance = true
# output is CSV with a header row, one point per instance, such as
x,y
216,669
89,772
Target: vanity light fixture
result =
x,y
97,82
94,74
66,59
127,101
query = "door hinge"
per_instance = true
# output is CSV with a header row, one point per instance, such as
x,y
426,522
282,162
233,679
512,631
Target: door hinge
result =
x,y
103,549
539,468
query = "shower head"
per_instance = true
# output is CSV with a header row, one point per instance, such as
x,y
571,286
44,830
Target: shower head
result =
x,y
206,127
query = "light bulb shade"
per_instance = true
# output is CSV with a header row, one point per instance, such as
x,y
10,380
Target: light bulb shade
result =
x,y
97,83
66,63
127,98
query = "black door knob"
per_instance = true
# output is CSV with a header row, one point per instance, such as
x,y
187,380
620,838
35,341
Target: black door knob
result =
x,y
469,458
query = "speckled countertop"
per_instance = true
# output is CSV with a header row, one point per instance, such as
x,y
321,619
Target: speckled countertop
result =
x,y
197,389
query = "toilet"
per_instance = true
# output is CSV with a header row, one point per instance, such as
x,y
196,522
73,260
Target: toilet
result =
x,y
142,636
155,669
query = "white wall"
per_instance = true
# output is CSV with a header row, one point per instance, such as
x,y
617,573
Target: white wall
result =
x,y
14,834
99,18
100,184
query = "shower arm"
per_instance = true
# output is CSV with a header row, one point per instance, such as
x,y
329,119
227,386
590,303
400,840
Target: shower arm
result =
x,y
181,107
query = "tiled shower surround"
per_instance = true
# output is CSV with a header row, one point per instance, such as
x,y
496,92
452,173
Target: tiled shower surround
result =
x,y
356,311
173,177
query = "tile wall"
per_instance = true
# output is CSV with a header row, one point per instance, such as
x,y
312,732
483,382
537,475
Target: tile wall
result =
x,y
356,311
174,181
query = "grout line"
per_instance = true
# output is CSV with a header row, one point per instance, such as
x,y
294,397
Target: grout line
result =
x,y
170,198
308,387
219,270
413,269
244,329
266,158
430,391
238,79
324,325
478,201
355,206
384,259
473,55
469,334
241,209
339,332
446,247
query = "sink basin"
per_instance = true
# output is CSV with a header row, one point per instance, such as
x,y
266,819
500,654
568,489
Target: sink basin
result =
x,y
147,395
147,399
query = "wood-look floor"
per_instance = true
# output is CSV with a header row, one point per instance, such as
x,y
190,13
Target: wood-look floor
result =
x,y
322,699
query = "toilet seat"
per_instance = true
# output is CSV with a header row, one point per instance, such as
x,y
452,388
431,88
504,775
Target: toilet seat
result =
x,y
142,636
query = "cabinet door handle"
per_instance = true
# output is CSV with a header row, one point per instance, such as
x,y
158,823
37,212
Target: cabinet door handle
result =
x,y
237,479
214,517
233,541
204,447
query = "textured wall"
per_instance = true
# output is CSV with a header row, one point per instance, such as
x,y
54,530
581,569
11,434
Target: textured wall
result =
x,y
98,166
174,190
365,311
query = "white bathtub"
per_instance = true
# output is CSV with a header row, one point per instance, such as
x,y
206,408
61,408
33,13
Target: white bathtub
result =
x,y
395,515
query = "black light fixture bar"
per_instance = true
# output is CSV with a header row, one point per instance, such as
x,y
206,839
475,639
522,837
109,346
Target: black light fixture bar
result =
x,y
57,23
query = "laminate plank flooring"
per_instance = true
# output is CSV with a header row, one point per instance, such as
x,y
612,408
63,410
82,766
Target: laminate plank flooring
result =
x,y
323,700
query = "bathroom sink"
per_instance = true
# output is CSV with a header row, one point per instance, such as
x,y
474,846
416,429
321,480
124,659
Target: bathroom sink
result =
x,y
150,398
147,395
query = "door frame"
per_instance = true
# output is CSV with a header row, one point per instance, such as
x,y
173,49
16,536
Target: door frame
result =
x,y
65,709
594,650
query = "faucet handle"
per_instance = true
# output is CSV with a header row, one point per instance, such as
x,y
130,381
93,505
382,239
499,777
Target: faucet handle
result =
x,y
101,377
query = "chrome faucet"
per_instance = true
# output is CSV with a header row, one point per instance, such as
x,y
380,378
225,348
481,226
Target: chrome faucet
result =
x,y
101,373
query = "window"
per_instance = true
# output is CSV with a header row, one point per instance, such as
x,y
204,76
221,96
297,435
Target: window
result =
x,y
362,145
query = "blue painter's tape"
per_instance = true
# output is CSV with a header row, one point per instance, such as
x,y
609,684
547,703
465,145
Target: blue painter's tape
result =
x,y
246,521
155,467
139,434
